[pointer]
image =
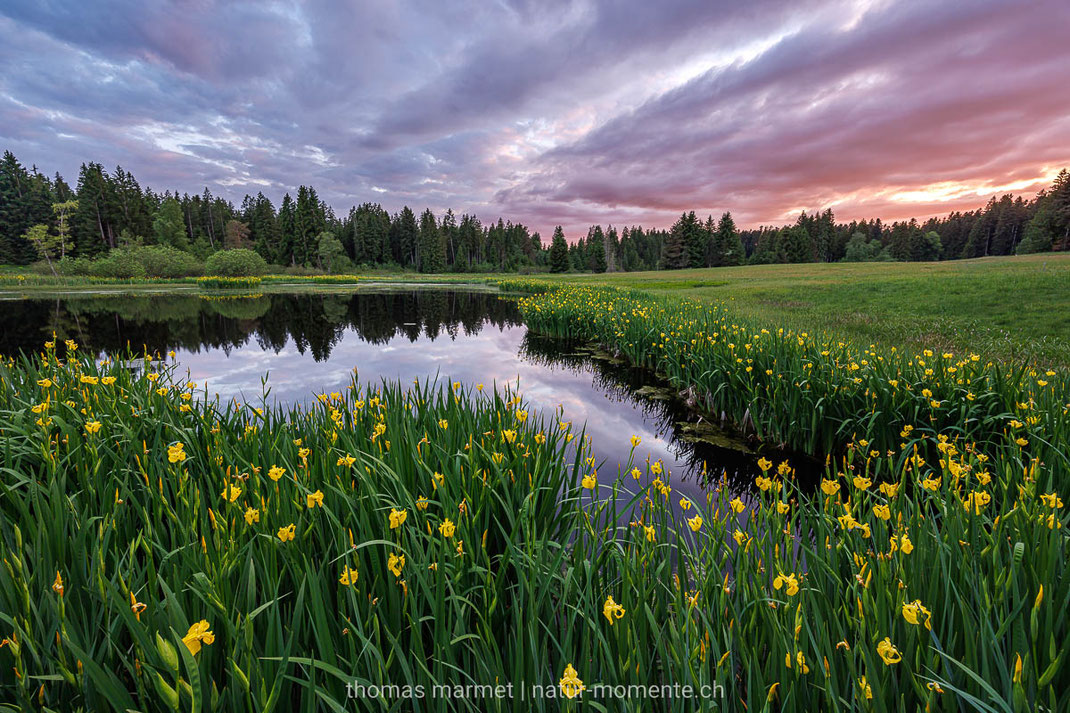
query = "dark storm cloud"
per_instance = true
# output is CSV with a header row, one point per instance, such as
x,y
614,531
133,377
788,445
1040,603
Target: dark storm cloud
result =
x,y
566,111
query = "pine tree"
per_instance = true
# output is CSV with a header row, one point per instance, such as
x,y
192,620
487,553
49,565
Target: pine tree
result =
x,y
596,250
431,251
796,245
449,237
264,229
93,222
468,235
577,255
14,217
309,222
695,241
404,235
559,251
727,246
60,190
376,233
1040,229
824,235
132,212
674,251
709,237
613,254
26,199
1059,197
287,232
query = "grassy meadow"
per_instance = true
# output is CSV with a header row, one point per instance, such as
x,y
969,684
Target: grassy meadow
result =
x,y
165,551
1003,307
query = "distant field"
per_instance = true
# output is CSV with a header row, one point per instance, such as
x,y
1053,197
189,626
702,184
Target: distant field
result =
x,y
1007,307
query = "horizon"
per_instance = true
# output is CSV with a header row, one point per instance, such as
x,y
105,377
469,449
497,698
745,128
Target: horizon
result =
x,y
594,114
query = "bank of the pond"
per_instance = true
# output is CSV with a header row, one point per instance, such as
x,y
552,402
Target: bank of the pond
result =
x,y
812,392
44,286
720,450
161,550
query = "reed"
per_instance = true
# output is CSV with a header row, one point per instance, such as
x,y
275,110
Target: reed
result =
x,y
163,550
219,282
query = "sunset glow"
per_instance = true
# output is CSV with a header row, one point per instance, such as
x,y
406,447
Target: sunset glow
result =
x,y
569,112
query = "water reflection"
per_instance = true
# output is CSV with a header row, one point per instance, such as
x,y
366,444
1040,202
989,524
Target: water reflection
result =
x,y
310,343
308,322
700,448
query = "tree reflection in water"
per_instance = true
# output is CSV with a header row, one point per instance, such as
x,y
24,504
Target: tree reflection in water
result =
x,y
233,340
315,322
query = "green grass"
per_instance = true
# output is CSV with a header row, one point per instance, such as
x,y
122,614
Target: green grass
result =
x,y
1008,308
122,527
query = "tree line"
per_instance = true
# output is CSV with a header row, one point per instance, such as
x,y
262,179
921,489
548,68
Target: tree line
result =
x,y
44,218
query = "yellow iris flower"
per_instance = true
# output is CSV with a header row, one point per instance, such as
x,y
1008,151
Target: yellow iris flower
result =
x,y
570,683
198,634
888,653
612,611
789,582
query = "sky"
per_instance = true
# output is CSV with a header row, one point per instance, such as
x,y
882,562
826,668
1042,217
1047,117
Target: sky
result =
x,y
570,112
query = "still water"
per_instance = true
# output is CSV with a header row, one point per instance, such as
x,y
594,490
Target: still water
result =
x,y
303,344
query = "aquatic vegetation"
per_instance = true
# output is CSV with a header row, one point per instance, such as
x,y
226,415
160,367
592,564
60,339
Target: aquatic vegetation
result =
x,y
815,393
221,282
164,550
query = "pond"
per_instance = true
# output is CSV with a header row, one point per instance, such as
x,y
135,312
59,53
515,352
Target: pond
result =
x,y
303,344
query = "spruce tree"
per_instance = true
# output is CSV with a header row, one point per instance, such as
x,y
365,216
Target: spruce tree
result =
x,y
694,241
728,246
284,253
264,229
558,251
308,224
404,235
1060,211
674,251
448,227
432,250
796,245
15,219
1039,230
596,250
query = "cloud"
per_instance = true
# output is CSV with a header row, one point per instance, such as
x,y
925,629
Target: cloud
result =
x,y
911,95
564,111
